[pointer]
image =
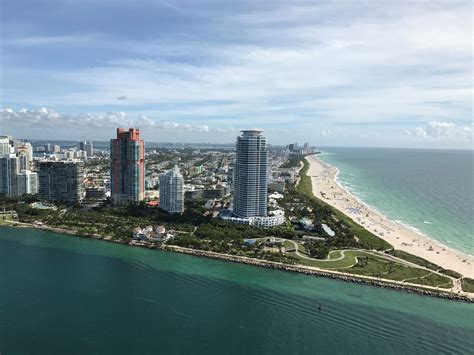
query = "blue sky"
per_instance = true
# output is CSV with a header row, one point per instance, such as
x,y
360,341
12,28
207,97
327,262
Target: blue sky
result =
x,y
361,73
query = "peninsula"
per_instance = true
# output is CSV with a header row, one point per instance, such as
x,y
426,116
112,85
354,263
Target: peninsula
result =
x,y
339,244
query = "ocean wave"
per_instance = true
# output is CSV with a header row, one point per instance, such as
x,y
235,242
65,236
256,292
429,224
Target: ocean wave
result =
x,y
410,227
352,187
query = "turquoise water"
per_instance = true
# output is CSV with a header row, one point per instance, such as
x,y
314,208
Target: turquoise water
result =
x,y
66,295
431,191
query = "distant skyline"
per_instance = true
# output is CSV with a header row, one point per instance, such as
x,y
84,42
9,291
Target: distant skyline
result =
x,y
374,73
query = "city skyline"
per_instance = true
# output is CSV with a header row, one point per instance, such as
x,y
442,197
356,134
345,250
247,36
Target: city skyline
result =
x,y
236,177
349,74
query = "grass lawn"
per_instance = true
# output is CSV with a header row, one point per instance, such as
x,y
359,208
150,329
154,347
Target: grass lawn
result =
x,y
347,262
378,267
414,259
420,261
467,284
6,217
335,254
302,249
434,280
7,220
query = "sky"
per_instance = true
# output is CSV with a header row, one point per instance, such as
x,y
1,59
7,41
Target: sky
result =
x,y
341,73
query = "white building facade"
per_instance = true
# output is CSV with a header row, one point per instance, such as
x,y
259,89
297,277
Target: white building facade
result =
x,y
172,191
250,175
27,183
15,181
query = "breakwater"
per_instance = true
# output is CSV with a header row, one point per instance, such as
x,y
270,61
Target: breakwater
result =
x,y
336,275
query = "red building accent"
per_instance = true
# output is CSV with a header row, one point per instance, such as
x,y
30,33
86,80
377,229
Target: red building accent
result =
x,y
127,154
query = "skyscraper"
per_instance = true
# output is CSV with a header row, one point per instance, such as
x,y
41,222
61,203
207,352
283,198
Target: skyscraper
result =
x,y
172,191
127,167
14,171
8,174
25,152
87,147
61,180
15,178
251,175
5,147
23,161
27,183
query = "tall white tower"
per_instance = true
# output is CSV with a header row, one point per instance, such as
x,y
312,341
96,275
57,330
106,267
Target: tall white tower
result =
x,y
172,191
251,175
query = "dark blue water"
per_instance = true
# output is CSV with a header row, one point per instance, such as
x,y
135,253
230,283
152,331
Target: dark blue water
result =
x,y
65,295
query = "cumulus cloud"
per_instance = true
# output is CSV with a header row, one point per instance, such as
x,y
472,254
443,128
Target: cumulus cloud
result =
x,y
442,130
231,130
44,118
289,68
326,133
48,118
145,121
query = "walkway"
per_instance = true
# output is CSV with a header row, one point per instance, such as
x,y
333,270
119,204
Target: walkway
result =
x,y
457,287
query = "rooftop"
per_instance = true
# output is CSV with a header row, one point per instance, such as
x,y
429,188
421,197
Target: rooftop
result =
x,y
251,132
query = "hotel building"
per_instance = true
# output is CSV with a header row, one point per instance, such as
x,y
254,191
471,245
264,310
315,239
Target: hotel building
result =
x,y
127,167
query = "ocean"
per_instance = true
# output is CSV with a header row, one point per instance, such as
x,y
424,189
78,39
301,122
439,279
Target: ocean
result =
x,y
430,191
67,295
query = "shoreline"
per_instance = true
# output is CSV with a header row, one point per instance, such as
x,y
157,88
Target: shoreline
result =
x,y
302,269
327,188
332,274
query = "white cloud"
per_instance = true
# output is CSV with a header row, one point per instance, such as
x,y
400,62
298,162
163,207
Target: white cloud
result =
x,y
39,41
309,66
147,122
45,118
326,133
439,129
444,131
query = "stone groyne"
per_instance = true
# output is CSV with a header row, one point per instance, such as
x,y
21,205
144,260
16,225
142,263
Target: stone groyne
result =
x,y
336,275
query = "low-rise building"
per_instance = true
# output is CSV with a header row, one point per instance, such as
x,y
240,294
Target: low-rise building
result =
x,y
95,193
205,194
151,233
275,218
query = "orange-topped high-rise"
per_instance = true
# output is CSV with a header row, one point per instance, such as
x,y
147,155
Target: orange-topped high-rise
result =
x,y
127,167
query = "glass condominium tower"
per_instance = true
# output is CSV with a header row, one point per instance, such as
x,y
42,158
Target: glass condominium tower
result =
x,y
251,175
172,191
127,167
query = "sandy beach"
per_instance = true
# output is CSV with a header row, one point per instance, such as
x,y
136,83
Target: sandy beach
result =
x,y
325,187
